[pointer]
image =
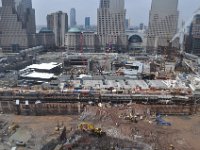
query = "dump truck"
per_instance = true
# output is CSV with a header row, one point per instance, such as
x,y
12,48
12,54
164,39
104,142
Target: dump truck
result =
x,y
90,128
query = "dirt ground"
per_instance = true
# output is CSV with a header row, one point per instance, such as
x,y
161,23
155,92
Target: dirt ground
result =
x,y
40,128
183,134
188,130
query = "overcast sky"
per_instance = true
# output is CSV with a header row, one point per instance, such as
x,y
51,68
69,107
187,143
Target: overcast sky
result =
x,y
137,10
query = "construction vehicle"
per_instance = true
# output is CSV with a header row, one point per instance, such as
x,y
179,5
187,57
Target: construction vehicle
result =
x,y
129,117
13,127
88,127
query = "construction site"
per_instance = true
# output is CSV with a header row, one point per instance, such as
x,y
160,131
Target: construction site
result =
x,y
124,127
118,89
100,101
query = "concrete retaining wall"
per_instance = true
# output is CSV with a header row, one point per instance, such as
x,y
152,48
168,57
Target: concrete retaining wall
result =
x,y
77,108
42,109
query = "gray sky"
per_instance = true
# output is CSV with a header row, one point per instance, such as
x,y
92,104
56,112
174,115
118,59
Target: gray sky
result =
x,y
137,10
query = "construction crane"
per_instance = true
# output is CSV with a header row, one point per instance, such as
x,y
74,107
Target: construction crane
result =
x,y
102,68
99,68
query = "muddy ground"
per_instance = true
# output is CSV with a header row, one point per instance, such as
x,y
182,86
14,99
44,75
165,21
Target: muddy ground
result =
x,y
37,131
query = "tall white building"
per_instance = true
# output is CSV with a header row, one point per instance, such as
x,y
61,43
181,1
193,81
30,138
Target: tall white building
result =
x,y
163,23
111,23
17,25
58,23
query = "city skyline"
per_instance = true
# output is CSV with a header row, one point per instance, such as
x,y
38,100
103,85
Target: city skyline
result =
x,y
137,10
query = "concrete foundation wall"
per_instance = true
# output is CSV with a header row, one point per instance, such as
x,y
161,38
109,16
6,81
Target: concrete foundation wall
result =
x,y
78,108
42,109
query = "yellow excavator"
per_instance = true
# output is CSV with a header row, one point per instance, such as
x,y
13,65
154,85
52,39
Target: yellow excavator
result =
x,y
90,128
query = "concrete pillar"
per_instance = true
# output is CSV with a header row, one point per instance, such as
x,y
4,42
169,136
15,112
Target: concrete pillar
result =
x,y
27,107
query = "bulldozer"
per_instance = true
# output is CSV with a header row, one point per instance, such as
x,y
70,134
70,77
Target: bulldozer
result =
x,y
90,128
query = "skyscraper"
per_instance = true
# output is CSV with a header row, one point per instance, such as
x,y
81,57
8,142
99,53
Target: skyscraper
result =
x,y
73,17
111,23
141,26
163,22
193,39
26,14
17,24
127,24
58,23
111,17
87,22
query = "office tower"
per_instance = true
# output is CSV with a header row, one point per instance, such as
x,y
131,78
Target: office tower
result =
x,y
26,3
111,23
26,14
163,22
141,26
73,17
87,22
193,39
127,24
58,23
111,17
17,25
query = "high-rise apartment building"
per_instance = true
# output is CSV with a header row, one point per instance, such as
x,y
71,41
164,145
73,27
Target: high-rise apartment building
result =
x,y
111,23
87,22
73,17
163,23
58,23
17,25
